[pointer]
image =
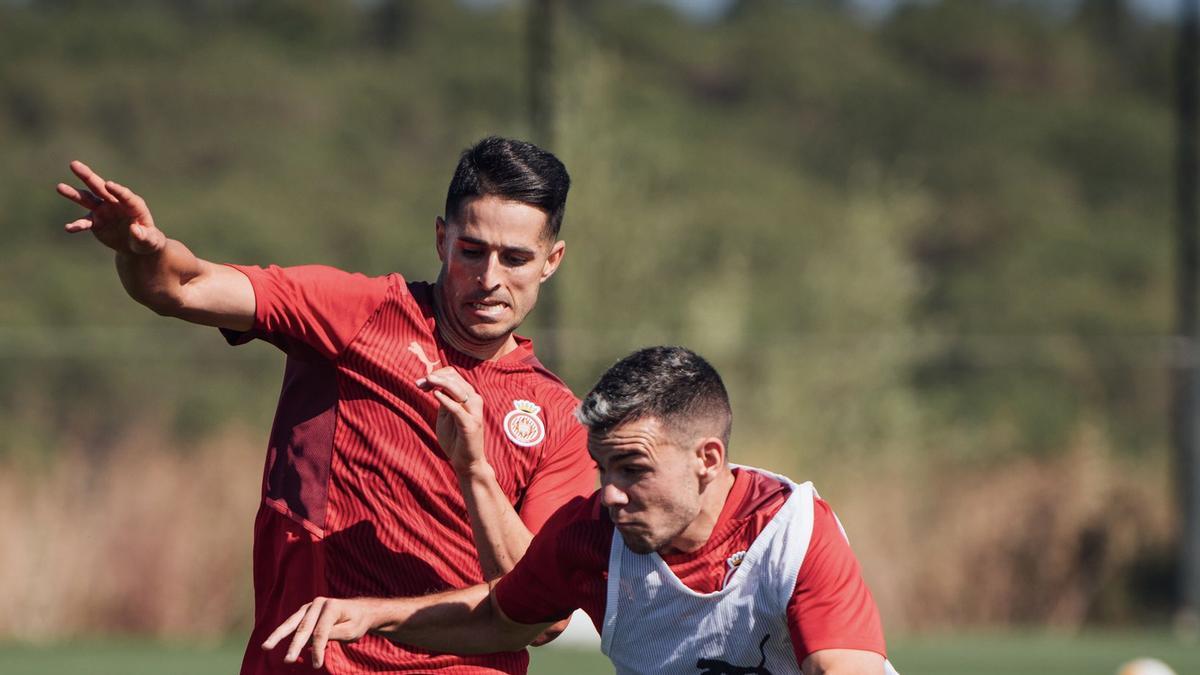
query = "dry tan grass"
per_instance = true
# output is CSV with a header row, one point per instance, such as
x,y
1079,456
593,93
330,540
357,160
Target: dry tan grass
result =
x,y
1030,541
146,540
152,540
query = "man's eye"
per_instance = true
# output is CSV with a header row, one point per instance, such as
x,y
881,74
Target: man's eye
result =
x,y
472,252
515,260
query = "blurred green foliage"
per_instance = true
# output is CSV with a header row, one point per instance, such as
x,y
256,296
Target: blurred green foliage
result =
x,y
946,231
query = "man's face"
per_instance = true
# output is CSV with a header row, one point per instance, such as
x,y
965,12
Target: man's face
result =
x,y
649,484
495,256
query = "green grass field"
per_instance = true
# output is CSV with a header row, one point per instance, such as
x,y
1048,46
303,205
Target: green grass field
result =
x,y
1090,654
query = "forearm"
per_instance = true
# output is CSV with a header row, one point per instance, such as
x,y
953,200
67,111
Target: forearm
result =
x,y
501,538
174,282
157,280
462,621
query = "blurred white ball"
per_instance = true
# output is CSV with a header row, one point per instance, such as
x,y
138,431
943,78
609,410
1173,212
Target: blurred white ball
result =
x,y
1145,667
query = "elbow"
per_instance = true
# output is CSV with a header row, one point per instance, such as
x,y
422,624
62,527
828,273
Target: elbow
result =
x,y
162,303
512,643
162,299
508,638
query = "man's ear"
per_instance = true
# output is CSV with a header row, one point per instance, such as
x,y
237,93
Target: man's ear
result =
x,y
557,251
710,453
439,227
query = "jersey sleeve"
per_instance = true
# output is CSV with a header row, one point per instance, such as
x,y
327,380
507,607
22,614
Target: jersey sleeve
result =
x,y
319,306
539,588
566,471
831,606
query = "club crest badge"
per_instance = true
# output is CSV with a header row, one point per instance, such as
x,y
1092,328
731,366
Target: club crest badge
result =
x,y
522,424
731,564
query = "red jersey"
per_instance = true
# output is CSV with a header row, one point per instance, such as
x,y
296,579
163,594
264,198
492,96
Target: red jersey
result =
x,y
566,567
358,498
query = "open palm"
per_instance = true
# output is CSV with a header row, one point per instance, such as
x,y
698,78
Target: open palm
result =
x,y
117,217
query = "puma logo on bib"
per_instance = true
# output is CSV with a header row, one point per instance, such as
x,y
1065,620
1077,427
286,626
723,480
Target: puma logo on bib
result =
x,y
719,667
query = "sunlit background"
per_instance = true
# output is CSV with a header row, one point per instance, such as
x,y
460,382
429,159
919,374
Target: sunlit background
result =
x,y
932,247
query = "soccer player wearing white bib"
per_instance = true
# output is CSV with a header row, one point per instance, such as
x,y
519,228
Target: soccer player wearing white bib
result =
x,y
684,562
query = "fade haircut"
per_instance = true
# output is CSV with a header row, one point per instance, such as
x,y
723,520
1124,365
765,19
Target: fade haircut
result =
x,y
671,384
512,170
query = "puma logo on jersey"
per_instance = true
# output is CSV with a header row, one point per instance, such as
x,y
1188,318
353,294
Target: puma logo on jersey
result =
x,y
719,667
430,364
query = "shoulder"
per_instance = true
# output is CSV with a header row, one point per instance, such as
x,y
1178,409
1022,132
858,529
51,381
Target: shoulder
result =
x,y
319,283
397,296
580,512
550,387
578,535
580,520
826,526
756,496
555,403
558,398
319,273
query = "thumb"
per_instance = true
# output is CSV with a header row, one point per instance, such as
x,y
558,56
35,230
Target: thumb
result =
x,y
145,240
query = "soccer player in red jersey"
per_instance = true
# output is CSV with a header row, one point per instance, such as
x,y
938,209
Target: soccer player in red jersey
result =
x,y
684,562
418,442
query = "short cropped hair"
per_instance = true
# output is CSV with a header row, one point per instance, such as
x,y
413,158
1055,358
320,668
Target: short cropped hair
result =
x,y
513,170
671,384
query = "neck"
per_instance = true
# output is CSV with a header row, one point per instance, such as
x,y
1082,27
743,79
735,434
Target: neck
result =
x,y
453,334
712,502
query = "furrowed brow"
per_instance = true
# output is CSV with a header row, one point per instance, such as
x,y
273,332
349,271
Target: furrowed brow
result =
x,y
519,250
620,456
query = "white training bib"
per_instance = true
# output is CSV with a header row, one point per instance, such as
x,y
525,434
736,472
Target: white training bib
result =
x,y
653,623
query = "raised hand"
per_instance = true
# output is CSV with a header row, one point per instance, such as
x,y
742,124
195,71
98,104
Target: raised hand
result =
x,y
116,216
320,621
460,428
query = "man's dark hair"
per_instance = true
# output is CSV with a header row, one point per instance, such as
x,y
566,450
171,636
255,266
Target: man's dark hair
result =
x,y
513,170
671,384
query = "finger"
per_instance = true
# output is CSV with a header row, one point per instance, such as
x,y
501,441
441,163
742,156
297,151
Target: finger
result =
x,y
448,380
455,396
456,408
321,634
79,225
467,421
85,198
285,628
126,196
304,630
91,179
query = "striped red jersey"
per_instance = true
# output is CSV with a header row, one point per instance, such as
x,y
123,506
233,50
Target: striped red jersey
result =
x,y
358,498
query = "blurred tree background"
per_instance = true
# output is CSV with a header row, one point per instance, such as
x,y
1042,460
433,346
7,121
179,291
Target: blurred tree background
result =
x,y
928,248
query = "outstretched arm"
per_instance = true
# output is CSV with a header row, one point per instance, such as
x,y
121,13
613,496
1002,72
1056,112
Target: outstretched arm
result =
x,y
463,621
158,272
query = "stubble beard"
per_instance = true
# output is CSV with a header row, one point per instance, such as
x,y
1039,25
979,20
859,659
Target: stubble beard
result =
x,y
650,542
458,333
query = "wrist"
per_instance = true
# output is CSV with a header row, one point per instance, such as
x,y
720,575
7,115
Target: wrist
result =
x,y
475,469
384,615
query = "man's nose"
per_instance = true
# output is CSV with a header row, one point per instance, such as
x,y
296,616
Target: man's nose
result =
x,y
611,495
489,273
